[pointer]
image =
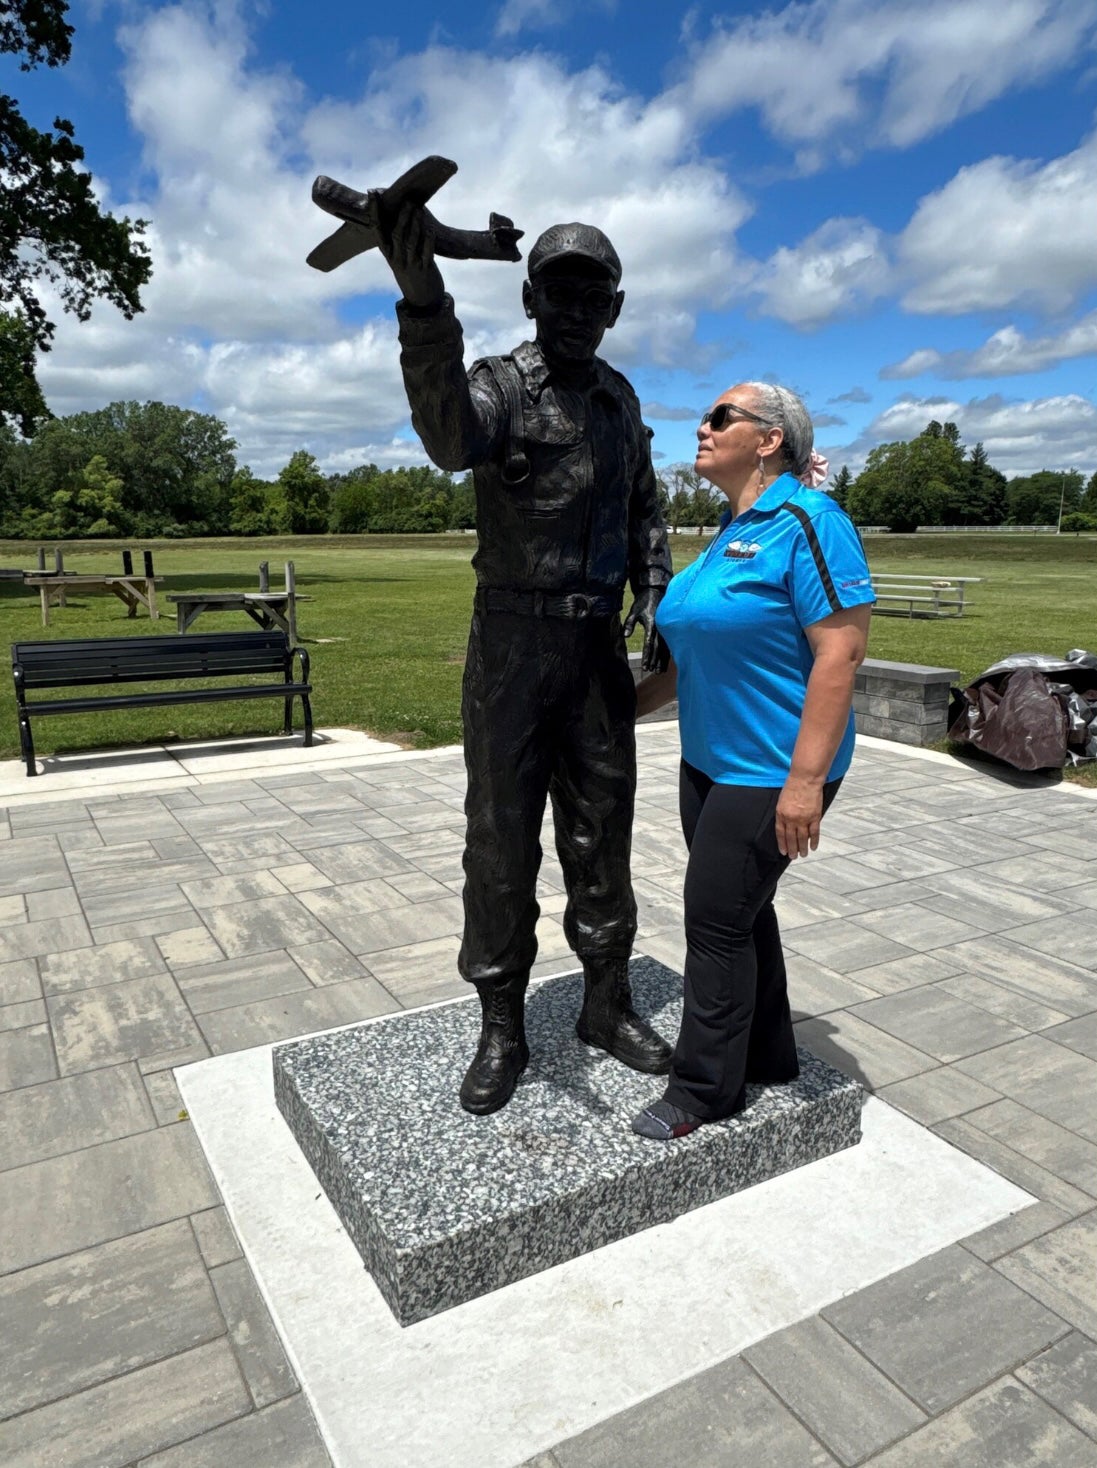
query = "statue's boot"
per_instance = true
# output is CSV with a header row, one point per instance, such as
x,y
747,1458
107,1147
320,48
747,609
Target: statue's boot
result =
x,y
609,1021
502,1054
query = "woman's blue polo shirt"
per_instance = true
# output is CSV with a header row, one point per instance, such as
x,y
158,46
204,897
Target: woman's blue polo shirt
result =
x,y
734,622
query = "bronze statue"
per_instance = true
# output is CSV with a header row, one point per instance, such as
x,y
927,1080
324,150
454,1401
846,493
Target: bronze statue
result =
x,y
567,513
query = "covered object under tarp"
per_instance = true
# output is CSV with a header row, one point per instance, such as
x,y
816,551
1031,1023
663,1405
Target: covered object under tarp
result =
x,y
1030,710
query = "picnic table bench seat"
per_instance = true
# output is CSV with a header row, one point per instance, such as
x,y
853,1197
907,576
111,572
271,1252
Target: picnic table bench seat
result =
x,y
921,596
108,662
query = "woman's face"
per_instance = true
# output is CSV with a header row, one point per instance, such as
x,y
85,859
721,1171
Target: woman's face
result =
x,y
729,454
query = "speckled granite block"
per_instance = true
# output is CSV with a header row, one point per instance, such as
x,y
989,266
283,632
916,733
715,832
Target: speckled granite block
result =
x,y
444,1206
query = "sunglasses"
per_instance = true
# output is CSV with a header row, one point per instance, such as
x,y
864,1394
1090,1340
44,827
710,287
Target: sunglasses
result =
x,y
725,413
566,291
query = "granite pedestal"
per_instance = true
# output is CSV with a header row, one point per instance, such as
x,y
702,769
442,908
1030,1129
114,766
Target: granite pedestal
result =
x,y
444,1207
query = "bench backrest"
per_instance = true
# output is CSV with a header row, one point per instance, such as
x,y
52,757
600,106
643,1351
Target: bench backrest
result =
x,y
71,664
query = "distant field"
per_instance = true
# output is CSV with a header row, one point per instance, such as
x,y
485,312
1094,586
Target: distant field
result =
x,y
387,625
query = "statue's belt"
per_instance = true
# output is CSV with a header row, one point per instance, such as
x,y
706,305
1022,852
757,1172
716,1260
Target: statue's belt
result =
x,y
548,603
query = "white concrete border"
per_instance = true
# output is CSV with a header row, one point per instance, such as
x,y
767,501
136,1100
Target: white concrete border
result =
x,y
491,1383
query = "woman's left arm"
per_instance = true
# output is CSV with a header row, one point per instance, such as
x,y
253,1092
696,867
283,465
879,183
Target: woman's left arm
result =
x,y
838,643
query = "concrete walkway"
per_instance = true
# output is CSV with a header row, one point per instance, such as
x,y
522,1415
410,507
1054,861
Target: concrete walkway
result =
x,y
942,947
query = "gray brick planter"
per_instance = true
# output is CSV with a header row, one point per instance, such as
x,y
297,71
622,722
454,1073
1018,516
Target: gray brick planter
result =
x,y
903,701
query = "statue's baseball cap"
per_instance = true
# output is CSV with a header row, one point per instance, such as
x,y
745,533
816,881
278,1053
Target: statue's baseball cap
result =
x,y
560,240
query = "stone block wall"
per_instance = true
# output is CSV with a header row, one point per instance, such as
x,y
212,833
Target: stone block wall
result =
x,y
903,701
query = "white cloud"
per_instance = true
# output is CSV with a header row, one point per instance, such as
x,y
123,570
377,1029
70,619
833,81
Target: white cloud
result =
x,y
660,412
600,154
1003,231
1020,436
238,325
1007,353
853,73
839,268
520,15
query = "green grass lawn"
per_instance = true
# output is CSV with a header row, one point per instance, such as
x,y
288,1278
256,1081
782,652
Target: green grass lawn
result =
x,y
387,623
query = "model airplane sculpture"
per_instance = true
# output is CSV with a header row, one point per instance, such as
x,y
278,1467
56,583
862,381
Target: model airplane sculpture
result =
x,y
362,212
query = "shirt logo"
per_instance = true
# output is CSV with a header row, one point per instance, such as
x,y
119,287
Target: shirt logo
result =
x,y
861,581
742,550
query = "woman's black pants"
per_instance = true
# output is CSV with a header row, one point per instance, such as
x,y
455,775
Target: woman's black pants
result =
x,y
736,1023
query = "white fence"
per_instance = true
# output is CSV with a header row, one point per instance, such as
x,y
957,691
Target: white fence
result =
x,y
967,529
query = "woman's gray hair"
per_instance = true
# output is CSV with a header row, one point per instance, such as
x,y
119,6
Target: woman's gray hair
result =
x,y
781,407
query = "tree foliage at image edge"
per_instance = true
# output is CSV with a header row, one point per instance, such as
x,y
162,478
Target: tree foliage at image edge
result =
x,y
51,227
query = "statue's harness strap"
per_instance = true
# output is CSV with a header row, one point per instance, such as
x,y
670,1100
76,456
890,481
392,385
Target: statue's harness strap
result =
x,y
516,464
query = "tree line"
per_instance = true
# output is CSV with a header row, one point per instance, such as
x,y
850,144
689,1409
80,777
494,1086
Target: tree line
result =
x,y
151,470
934,480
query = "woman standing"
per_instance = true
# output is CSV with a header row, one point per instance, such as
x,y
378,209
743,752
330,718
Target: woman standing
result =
x,y
766,630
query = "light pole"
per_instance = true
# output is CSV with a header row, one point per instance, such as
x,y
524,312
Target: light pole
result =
x,y
1062,498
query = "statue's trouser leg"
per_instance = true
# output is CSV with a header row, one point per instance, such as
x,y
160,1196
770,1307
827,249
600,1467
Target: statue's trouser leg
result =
x,y
593,792
508,761
593,789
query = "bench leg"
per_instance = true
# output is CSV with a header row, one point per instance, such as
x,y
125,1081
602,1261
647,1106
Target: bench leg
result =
x,y
27,743
287,722
307,708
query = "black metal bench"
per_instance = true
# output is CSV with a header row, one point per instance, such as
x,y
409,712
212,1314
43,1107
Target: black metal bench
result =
x,y
107,661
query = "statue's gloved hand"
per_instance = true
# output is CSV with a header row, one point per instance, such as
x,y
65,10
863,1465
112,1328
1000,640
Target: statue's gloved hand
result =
x,y
656,655
409,248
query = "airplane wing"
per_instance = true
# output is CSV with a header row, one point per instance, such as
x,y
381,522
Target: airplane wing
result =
x,y
347,241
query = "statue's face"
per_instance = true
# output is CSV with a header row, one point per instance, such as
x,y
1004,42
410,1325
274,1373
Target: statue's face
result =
x,y
574,303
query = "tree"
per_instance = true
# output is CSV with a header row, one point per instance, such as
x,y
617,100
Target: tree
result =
x,y
254,505
21,398
840,487
705,506
51,226
410,501
981,496
678,488
462,511
305,492
904,485
1077,522
350,499
176,466
1035,499
1088,503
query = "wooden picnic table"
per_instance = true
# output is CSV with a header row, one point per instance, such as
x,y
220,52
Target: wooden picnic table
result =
x,y
273,610
135,591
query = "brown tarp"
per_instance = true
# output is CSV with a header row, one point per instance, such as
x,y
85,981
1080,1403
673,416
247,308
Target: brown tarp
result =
x,y
1032,711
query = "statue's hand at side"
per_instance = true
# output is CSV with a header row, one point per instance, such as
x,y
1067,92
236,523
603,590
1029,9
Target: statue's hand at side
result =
x,y
656,655
409,249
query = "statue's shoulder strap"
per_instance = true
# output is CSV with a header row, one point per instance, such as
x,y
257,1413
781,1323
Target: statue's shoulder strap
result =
x,y
505,371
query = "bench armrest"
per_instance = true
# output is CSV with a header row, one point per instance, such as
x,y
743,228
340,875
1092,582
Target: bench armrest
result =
x,y
299,652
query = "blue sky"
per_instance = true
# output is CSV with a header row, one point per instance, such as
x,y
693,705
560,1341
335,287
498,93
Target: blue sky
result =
x,y
889,206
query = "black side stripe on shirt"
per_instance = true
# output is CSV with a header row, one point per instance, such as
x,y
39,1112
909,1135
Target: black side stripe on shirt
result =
x,y
817,553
